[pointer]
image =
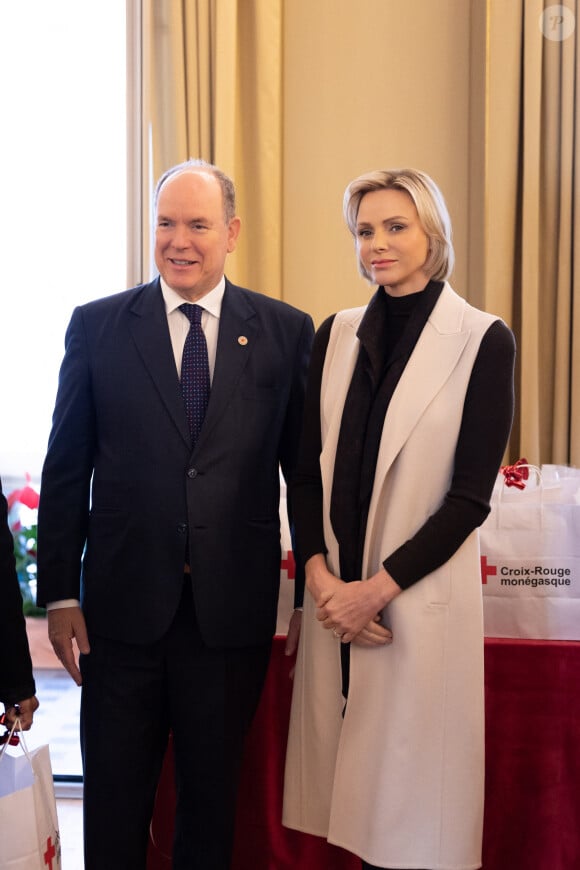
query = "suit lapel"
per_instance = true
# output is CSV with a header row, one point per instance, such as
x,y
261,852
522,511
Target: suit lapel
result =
x,y
238,331
148,327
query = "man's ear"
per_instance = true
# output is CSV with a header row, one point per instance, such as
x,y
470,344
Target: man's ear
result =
x,y
234,227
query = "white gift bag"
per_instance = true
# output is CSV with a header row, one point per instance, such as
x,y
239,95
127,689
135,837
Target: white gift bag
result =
x,y
287,568
29,835
530,558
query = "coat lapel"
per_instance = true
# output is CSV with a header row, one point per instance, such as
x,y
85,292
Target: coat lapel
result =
x,y
436,354
148,326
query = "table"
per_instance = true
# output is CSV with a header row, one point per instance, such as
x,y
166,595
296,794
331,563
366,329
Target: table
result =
x,y
532,807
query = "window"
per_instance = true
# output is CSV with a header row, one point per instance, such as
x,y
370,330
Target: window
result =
x,y
63,233
63,226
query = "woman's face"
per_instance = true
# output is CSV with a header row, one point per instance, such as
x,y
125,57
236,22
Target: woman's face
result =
x,y
390,241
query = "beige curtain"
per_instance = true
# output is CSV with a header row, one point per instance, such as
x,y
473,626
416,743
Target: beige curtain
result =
x,y
532,257
212,88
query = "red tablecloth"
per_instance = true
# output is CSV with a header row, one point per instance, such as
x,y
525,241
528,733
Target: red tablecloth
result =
x,y
532,808
532,795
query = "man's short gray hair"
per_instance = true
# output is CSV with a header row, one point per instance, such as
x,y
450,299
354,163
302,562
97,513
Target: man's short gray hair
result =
x,y
226,183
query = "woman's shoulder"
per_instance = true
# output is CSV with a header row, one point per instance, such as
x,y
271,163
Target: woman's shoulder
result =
x,y
498,338
496,332
348,316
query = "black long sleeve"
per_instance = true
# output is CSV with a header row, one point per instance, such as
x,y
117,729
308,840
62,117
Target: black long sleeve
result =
x,y
485,428
307,483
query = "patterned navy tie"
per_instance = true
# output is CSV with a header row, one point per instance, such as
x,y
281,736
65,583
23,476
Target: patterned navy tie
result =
x,y
195,383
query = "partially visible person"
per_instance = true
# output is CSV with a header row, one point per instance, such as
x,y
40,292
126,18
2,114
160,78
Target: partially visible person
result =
x,y
408,411
17,687
161,513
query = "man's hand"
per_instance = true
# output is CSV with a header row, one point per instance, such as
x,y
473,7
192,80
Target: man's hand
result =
x,y
293,637
64,624
293,633
23,710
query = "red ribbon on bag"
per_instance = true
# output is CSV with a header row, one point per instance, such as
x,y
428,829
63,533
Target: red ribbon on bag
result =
x,y
516,474
10,736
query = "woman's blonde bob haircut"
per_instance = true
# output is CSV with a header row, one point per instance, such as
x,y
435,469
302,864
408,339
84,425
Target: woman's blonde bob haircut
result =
x,y
430,206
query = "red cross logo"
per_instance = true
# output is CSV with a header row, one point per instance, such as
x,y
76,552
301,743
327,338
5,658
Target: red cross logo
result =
x,y
50,853
289,564
487,570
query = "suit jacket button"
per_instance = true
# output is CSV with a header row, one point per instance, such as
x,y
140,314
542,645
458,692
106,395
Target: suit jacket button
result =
x,y
192,472
182,528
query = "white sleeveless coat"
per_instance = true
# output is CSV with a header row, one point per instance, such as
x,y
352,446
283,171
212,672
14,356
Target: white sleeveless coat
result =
x,y
399,781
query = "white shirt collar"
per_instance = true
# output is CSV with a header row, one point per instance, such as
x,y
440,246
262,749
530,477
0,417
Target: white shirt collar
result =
x,y
211,302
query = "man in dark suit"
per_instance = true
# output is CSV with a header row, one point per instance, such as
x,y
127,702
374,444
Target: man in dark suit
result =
x,y
180,544
17,688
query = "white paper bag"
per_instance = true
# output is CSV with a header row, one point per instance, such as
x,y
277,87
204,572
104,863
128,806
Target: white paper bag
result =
x,y
287,568
29,835
530,559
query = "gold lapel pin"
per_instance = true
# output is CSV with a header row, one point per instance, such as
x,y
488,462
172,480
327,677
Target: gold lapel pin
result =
x,y
242,340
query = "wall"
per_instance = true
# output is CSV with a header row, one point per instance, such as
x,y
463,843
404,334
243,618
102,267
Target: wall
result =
x,y
378,84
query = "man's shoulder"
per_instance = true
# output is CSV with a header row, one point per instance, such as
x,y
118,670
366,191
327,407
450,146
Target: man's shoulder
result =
x,y
265,305
124,299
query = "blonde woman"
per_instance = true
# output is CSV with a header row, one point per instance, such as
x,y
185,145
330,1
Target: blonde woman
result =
x,y
408,412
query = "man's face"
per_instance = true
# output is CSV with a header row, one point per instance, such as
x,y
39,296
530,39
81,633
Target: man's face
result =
x,y
192,237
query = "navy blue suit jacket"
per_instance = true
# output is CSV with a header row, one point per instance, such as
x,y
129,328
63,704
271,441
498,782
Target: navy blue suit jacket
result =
x,y
120,432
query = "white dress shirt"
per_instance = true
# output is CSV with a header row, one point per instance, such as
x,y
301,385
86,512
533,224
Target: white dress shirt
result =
x,y
179,324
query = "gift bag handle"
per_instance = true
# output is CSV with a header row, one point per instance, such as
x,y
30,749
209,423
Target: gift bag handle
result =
x,y
16,726
516,476
22,742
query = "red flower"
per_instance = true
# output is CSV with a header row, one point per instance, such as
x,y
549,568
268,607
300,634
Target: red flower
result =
x,y
26,496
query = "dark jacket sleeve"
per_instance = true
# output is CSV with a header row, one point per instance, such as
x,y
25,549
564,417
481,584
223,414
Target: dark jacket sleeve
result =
x,y
16,680
290,442
66,474
307,486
